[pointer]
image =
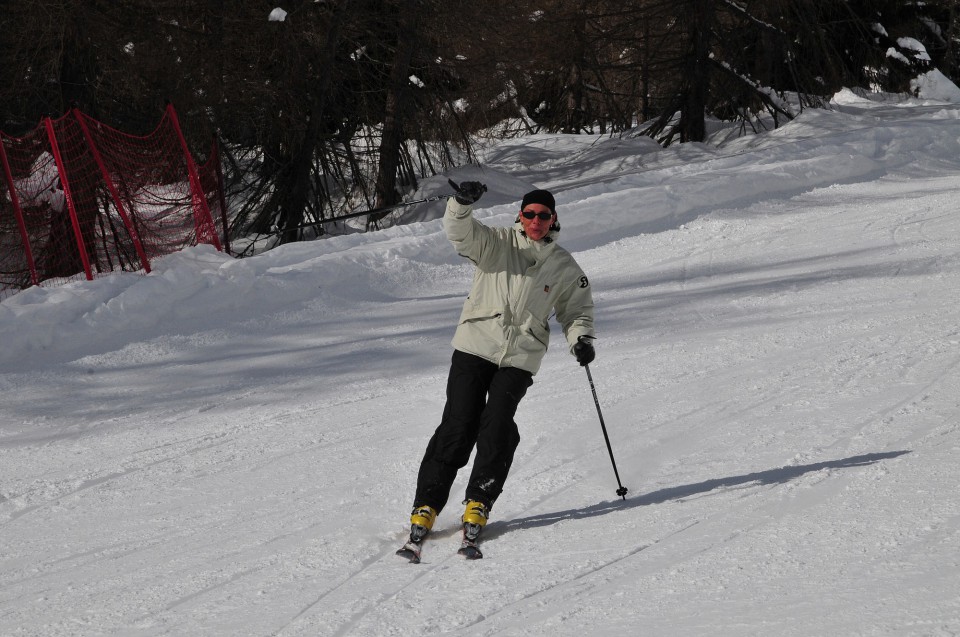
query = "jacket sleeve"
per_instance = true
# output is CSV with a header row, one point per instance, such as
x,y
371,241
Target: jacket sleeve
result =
x,y
575,309
469,236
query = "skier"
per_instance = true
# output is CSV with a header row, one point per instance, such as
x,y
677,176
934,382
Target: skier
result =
x,y
522,277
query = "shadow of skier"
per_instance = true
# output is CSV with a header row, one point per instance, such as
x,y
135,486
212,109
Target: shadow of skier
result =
x,y
771,476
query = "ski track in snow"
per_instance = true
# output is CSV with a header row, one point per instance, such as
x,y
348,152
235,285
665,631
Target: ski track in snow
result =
x,y
230,447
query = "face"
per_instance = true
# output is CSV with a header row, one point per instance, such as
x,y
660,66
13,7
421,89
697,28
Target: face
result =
x,y
536,228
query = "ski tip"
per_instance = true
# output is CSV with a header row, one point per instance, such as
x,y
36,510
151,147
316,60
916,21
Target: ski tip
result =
x,y
409,554
470,552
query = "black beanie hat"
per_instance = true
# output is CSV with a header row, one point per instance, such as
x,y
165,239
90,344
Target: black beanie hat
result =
x,y
542,197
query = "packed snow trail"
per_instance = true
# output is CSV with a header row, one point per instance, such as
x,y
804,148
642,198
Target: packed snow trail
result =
x,y
229,447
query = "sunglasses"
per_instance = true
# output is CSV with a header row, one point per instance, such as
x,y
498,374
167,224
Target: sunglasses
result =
x,y
542,216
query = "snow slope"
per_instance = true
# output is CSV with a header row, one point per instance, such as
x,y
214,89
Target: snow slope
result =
x,y
230,447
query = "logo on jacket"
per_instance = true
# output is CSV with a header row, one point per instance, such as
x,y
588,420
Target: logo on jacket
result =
x,y
546,288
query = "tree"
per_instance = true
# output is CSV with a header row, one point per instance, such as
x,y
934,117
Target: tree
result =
x,y
346,104
396,104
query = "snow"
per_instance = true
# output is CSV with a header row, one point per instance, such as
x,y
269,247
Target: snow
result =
x,y
935,85
229,447
915,46
897,55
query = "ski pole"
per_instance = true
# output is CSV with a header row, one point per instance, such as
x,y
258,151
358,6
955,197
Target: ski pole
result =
x,y
622,491
352,215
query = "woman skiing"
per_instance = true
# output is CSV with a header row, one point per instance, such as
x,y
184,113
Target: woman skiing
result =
x,y
522,277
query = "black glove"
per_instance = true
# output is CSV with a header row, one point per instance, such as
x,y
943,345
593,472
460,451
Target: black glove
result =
x,y
468,191
584,351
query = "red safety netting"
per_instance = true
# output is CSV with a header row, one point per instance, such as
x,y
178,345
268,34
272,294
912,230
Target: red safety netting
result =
x,y
81,199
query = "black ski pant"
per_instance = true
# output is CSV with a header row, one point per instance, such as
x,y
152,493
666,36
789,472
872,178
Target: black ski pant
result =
x,y
482,400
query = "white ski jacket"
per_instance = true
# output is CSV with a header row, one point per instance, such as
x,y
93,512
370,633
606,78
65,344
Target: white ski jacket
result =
x,y
517,285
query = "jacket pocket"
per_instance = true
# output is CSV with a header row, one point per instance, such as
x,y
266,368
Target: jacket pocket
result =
x,y
473,314
535,335
481,332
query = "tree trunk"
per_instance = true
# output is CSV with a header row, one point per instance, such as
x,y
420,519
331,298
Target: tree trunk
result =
x,y
299,185
393,116
953,30
693,110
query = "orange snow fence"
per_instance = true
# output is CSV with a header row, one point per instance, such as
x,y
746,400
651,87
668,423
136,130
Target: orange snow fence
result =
x,y
81,199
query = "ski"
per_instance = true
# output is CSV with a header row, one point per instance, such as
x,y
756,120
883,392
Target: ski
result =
x,y
411,551
470,549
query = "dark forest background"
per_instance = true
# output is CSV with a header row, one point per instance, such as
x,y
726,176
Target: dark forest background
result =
x,y
345,104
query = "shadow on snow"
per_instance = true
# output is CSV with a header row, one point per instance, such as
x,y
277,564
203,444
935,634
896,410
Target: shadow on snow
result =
x,y
771,476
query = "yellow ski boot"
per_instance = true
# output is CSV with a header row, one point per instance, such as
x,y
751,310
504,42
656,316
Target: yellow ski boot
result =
x,y
474,519
421,521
